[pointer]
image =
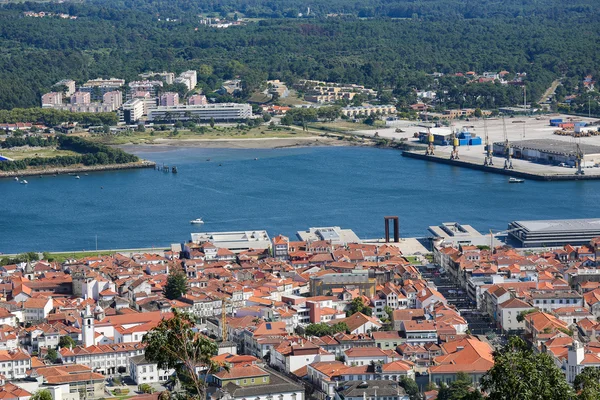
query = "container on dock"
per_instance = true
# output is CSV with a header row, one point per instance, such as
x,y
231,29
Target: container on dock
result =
x,y
476,141
566,125
463,142
555,121
580,123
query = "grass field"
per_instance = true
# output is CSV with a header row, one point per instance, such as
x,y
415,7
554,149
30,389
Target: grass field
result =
x,y
149,137
25,152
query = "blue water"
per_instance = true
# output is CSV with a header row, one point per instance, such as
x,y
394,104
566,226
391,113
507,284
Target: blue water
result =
x,y
284,191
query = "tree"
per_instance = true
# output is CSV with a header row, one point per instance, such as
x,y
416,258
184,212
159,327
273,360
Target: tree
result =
x,y
357,305
587,384
176,285
145,388
175,344
66,341
51,355
323,329
520,374
460,389
411,388
43,394
212,122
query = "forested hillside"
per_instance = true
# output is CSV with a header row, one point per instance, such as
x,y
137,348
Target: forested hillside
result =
x,y
544,38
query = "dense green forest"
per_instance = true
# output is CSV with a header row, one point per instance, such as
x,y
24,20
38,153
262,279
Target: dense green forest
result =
x,y
544,38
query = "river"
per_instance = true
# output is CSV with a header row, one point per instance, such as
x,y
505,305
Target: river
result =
x,y
282,191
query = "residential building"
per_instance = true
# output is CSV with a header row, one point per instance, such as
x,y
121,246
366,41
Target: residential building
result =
x,y
168,77
372,390
81,98
256,383
78,379
14,364
114,99
468,355
52,99
105,359
509,311
169,99
36,309
69,84
217,111
197,100
367,110
188,78
144,371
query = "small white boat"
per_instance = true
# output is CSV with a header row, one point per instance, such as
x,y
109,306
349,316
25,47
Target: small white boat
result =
x,y
24,182
197,221
16,179
516,180
77,177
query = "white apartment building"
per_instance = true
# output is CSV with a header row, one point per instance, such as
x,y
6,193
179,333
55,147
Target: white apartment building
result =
x,y
105,359
52,98
144,371
188,78
114,98
14,364
218,112
133,110
36,309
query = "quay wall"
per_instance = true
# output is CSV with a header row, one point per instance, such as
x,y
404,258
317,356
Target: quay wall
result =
x,y
500,169
77,169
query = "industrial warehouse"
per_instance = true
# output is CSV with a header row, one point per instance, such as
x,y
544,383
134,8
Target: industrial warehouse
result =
x,y
553,233
550,151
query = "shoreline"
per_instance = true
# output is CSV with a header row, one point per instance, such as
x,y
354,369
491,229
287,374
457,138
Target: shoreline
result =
x,y
251,143
77,169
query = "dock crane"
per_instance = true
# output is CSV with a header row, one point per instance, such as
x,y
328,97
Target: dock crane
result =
x,y
455,143
508,151
430,148
579,161
489,160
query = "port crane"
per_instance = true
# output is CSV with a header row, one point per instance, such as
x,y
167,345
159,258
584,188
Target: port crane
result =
x,y
455,143
430,148
489,160
508,151
579,160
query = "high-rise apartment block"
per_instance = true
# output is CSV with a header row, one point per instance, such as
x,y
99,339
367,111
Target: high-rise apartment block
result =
x,y
197,100
81,98
169,99
52,99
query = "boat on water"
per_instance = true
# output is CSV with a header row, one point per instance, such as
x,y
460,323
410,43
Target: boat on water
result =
x,y
77,177
197,221
24,182
516,180
16,179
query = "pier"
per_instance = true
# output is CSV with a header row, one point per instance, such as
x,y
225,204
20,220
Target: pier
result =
x,y
525,169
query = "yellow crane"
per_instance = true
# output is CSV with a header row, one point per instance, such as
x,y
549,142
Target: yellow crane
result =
x,y
430,148
455,144
508,151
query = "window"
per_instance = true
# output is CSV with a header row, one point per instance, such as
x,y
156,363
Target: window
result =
x,y
264,379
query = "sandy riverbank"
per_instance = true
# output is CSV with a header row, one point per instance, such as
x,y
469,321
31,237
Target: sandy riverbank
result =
x,y
253,143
